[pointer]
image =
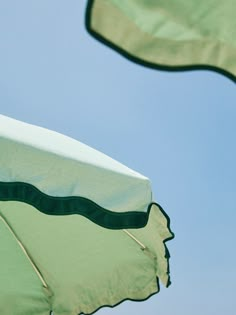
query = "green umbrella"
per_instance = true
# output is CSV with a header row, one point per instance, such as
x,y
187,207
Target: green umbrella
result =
x,y
169,35
78,230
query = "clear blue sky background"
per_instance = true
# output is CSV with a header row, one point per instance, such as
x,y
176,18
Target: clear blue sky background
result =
x,y
176,128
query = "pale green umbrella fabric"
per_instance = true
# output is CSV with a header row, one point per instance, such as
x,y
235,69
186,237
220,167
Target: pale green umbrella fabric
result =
x,y
172,35
78,230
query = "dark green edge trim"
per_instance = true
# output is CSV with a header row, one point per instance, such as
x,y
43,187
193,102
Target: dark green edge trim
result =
x,y
124,53
112,306
128,299
133,300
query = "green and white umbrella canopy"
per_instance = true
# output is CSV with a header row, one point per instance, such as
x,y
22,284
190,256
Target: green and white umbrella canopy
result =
x,y
78,230
169,35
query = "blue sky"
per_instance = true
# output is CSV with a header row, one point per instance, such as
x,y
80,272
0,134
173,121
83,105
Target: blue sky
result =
x,y
176,128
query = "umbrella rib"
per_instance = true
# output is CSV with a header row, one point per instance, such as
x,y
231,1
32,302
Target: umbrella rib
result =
x,y
24,251
135,239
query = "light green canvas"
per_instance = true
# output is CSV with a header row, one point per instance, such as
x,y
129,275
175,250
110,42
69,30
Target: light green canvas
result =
x,y
84,265
171,34
68,248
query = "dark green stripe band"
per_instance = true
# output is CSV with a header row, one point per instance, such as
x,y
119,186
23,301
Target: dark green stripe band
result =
x,y
24,192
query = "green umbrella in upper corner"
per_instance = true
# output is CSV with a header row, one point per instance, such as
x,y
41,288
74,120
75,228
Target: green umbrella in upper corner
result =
x,y
170,35
78,230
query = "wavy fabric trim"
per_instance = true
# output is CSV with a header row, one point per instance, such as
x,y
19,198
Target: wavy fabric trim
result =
x,y
50,205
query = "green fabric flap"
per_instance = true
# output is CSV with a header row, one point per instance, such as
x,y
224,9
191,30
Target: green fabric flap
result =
x,y
176,35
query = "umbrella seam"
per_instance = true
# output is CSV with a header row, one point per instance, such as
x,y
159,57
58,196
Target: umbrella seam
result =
x,y
24,251
135,239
